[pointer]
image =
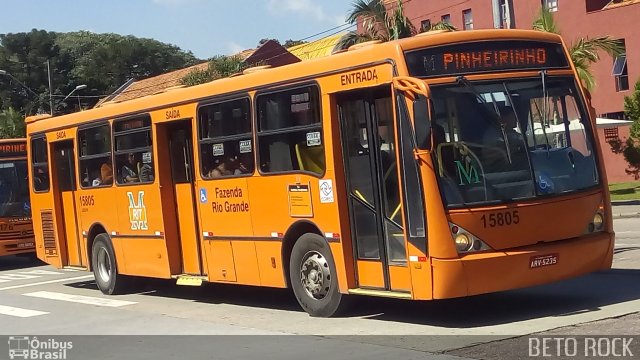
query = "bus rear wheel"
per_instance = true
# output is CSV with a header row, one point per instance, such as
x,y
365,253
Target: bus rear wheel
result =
x,y
105,269
313,276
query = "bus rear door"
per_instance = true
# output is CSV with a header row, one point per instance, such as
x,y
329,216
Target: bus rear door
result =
x,y
65,186
182,170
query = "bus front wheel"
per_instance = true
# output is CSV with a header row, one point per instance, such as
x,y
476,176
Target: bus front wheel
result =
x,y
105,269
313,276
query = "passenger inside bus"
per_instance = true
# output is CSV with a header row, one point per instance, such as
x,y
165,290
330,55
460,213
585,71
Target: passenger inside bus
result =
x,y
40,179
106,174
504,144
244,164
221,168
129,171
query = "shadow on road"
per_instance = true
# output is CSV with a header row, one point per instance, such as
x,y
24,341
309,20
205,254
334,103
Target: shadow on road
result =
x,y
17,262
585,294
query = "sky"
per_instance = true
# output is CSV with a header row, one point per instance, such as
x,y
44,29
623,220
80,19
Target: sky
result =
x,y
205,27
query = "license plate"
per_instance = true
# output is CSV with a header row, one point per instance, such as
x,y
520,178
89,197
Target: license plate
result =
x,y
25,245
543,260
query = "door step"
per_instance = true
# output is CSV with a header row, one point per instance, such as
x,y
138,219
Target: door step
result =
x,y
381,293
75,268
189,280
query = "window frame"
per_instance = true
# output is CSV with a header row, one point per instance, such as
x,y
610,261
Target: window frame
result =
x,y
467,25
623,74
446,18
551,5
225,138
115,153
35,165
262,133
425,25
504,14
95,156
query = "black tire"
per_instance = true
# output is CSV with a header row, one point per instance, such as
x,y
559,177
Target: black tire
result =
x,y
105,267
317,295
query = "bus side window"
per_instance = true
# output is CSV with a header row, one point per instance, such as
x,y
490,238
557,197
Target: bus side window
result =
x,y
40,162
133,153
226,145
96,168
290,131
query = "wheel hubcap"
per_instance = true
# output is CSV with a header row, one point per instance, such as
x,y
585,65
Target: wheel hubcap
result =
x,y
315,275
104,265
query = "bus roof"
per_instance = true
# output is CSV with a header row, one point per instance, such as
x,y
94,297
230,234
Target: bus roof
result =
x,y
290,73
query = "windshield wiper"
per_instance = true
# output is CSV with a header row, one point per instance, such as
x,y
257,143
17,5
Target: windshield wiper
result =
x,y
545,100
496,111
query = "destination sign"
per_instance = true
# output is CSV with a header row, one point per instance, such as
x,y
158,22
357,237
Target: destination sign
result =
x,y
485,56
12,149
131,124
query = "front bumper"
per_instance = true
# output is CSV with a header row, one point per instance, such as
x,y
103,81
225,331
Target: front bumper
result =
x,y
482,273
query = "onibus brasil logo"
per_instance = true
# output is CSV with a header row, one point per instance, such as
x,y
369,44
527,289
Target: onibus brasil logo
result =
x,y
31,348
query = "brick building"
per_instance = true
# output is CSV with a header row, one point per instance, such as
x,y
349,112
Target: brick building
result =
x,y
615,78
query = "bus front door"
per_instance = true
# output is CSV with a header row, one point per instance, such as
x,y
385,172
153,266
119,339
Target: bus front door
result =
x,y
369,149
65,185
182,170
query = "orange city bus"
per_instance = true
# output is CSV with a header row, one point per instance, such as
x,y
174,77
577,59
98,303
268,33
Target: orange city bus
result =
x,y
16,231
439,166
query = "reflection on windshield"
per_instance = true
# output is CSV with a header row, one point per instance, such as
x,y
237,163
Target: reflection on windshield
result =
x,y
14,193
515,139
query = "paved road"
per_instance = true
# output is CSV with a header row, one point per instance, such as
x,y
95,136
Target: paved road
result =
x,y
38,299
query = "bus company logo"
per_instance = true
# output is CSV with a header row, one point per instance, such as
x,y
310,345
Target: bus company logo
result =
x,y
25,347
467,172
429,63
137,212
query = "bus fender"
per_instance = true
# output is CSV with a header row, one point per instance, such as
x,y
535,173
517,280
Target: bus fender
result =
x,y
295,231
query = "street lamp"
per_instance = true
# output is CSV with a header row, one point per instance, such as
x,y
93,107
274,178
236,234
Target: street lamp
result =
x,y
78,88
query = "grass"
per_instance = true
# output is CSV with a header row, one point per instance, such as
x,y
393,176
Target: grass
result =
x,y
625,191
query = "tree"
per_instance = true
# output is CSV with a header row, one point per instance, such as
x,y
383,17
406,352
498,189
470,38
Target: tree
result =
x,y
584,51
103,62
25,56
219,67
291,43
630,148
12,124
378,23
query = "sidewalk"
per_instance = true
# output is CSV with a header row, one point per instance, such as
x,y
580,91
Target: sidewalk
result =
x,y
625,209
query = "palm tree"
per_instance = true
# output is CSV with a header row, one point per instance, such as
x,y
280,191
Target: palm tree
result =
x,y
377,22
584,51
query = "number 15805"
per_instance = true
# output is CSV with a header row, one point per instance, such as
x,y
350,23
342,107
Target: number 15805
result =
x,y
503,218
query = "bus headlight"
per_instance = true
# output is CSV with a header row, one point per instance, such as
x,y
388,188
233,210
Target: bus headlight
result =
x,y
463,243
466,242
598,221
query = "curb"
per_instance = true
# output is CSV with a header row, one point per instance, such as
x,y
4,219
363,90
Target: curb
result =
x,y
624,202
625,215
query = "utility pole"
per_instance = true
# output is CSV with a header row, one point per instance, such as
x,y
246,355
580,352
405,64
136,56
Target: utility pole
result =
x,y
50,88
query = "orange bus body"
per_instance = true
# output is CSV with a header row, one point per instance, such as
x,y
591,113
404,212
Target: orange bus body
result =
x,y
318,193
16,229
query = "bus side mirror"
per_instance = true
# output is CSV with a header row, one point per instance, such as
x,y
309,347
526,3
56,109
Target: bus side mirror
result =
x,y
422,122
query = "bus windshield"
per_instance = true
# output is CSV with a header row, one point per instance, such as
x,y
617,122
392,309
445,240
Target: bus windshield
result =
x,y
14,191
500,141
